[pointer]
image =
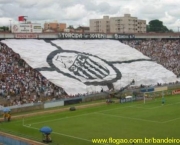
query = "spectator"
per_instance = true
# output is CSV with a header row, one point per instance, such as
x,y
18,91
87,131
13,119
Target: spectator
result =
x,y
164,52
19,83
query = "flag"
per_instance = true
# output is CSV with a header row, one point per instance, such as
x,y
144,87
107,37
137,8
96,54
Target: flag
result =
x,y
22,18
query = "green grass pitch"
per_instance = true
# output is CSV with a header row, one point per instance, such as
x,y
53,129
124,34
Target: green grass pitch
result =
x,y
133,120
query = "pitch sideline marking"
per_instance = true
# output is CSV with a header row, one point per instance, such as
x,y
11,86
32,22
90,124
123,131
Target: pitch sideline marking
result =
x,y
99,112
70,136
171,120
61,118
133,106
77,115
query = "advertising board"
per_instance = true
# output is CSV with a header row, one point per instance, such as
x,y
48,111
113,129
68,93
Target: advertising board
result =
x,y
26,36
26,28
174,92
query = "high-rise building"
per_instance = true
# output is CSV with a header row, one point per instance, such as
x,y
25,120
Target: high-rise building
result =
x,y
100,25
126,24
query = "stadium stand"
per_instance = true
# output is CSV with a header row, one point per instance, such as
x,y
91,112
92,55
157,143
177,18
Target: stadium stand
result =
x,y
20,84
164,52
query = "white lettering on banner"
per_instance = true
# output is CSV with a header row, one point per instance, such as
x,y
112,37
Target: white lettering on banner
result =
x,y
97,36
80,36
71,35
26,36
176,92
119,36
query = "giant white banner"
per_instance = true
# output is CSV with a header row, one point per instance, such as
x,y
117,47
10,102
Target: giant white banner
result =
x,y
81,66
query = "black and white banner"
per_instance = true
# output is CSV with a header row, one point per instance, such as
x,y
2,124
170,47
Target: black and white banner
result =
x,y
81,66
82,36
124,36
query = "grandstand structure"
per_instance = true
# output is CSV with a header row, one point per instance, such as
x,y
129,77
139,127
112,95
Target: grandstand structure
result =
x,y
125,38
58,66
118,36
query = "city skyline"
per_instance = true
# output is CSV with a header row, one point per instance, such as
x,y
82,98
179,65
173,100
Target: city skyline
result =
x,y
79,12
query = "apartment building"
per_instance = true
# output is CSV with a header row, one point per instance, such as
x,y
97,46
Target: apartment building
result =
x,y
55,26
100,25
125,24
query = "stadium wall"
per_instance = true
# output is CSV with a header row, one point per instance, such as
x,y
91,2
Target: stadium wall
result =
x,y
25,107
8,139
173,89
53,104
154,92
88,36
94,97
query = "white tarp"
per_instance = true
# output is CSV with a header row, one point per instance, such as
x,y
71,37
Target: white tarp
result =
x,y
81,66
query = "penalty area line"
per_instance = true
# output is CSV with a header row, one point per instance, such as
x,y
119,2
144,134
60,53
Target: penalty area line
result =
x,y
171,120
131,118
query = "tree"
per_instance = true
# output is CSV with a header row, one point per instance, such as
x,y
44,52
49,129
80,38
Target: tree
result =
x,y
70,27
171,30
147,28
157,26
4,28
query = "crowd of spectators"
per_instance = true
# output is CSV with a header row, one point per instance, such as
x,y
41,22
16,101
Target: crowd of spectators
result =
x,y
20,84
164,52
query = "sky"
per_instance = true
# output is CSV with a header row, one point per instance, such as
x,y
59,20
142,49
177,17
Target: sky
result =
x,y
78,12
